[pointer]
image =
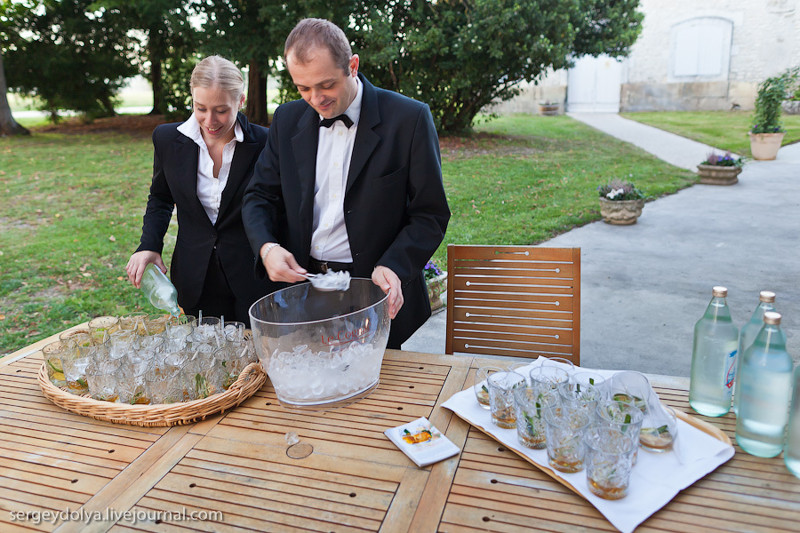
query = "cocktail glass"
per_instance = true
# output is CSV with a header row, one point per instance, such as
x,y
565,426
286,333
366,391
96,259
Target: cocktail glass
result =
x,y
632,387
501,397
586,377
548,376
234,331
52,358
101,379
529,404
623,416
74,361
564,428
579,395
133,322
101,327
608,462
659,429
481,387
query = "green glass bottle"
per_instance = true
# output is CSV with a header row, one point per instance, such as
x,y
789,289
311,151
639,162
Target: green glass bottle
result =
x,y
766,391
716,341
766,302
159,290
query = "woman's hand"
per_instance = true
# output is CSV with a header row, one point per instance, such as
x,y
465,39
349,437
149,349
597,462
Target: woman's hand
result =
x,y
138,262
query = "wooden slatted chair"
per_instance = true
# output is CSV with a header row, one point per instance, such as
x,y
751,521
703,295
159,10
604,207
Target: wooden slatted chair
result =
x,y
521,301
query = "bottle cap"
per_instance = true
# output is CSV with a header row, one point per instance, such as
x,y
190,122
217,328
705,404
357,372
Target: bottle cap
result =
x,y
772,318
766,296
719,291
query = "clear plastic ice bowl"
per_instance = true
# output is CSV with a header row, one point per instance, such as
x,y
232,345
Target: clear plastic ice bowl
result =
x,y
321,347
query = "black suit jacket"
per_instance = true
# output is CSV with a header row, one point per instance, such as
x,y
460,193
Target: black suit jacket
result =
x,y
395,207
175,184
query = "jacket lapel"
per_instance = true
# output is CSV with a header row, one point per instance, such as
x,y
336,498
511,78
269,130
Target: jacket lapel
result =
x,y
366,139
304,146
187,152
245,152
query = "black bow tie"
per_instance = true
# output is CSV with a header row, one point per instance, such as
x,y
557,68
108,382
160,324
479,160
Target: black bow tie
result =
x,y
328,122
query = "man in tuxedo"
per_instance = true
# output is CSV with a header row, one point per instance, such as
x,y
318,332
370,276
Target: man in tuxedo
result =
x,y
350,179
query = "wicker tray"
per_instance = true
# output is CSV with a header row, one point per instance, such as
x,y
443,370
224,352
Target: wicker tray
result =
x,y
250,380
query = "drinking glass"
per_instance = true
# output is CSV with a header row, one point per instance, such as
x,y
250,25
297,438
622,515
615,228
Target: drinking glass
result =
x,y
564,428
548,376
101,327
133,322
101,379
609,461
67,335
659,429
178,330
580,396
529,403
233,331
162,385
623,416
481,386
74,361
132,383
121,343
156,324
501,397
632,387
586,377
52,358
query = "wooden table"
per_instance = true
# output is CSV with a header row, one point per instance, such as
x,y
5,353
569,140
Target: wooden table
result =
x,y
232,472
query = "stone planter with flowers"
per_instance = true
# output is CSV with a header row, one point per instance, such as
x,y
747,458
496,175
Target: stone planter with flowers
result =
x,y
436,280
621,202
720,169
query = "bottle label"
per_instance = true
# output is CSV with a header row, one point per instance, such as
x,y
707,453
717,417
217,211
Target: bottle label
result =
x,y
729,377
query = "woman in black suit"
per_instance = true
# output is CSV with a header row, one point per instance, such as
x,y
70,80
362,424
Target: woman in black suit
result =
x,y
202,167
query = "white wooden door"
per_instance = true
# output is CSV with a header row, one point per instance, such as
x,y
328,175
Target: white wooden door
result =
x,y
593,85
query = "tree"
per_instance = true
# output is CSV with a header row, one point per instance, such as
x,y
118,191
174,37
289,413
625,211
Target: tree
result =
x,y
253,32
8,126
460,55
168,37
68,55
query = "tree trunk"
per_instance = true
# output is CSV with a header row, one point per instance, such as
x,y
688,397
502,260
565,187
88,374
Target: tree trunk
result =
x,y
256,96
8,126
154,52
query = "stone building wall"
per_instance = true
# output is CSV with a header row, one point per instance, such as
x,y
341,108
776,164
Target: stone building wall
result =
x,y
696,55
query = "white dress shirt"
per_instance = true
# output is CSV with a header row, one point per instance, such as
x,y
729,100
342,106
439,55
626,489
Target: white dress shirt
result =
x,y
329,240
209,188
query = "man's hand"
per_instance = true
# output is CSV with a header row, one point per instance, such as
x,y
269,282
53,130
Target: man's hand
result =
x,y
281,265
138,262
388,281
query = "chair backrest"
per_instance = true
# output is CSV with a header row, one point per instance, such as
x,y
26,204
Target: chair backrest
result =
x,y
521,301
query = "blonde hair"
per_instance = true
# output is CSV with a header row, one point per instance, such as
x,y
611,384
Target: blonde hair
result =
x,y
216,71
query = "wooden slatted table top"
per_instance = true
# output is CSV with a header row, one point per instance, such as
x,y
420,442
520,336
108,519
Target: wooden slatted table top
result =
x,y
234,472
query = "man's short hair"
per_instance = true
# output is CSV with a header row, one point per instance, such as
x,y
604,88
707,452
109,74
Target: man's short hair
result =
x,y
312,33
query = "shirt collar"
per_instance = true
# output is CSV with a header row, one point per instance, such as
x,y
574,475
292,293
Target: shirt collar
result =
x,y
191,128
354,110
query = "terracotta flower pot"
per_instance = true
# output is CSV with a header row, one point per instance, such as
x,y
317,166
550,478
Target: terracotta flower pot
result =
x,y
765,146
620,212
718,175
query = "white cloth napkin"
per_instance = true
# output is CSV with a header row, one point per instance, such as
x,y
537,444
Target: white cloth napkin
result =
x,y
655,480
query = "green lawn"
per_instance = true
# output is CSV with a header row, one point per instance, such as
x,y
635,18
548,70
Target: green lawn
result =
x,y
71,208
726,130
